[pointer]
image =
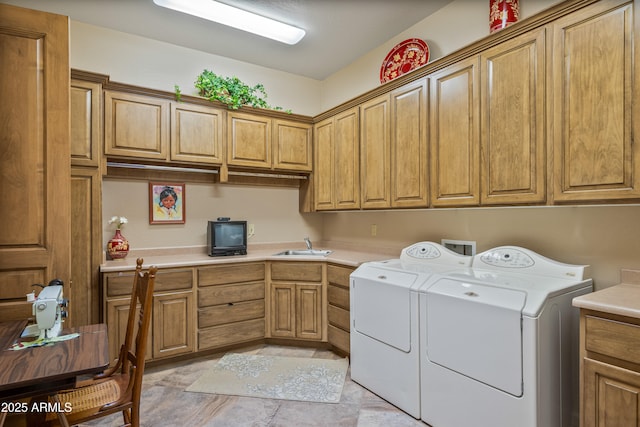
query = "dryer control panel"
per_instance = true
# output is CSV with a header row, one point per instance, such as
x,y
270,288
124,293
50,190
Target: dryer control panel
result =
x,y
507,257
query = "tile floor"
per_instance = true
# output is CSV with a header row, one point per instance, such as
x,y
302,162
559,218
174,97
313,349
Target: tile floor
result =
x,y
165,403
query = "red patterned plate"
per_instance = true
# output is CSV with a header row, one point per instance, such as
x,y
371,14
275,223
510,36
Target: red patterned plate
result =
x,y
404,57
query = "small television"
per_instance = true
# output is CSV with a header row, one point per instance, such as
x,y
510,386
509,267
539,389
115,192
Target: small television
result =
x,y
225,238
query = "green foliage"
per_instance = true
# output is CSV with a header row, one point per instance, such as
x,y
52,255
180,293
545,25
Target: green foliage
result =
x,y
230,91
178,92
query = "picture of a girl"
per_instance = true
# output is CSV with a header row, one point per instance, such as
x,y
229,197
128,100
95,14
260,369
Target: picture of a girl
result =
x,y
167,203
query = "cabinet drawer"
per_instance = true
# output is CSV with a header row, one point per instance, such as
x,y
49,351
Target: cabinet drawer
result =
x,y
339,275
231,312
120,284
338,296
225,294
231,333
612,338
338,317
297,271
230,273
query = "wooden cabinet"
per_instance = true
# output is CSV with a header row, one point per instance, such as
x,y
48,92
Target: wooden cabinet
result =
x,y
196,133
35,233
292,149
512,112
296,295
610,361
455,134
337,162
595,97
136,126
375,152
86,202
409,149
231,304
261,142
173,329
338,317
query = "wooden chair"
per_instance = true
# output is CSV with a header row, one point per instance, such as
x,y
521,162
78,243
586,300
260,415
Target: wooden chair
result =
x,y
118,388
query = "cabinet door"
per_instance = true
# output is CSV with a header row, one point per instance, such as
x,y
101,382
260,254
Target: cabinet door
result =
x,y
86,119
409,157
86,251
513,125
347,160
117,315
196,133
249,140
309,311
283,309
455,134
375,150
323,168
35,234
136,126
595,101
292,146
173,330
611,396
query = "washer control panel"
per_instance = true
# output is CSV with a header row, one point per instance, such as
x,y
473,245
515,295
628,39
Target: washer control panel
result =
x,y
423,250
508,258
430,252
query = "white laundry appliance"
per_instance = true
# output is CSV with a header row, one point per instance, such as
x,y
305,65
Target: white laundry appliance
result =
x,y
384,321
499,344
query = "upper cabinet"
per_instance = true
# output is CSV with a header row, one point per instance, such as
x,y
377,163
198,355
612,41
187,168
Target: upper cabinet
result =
x,y
512,125
375,152
455,134
86,119
336,170
136,126
196,133
595,82
409,149
292,147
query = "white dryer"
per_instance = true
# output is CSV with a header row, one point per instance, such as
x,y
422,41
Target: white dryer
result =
x,y
499,344
384,321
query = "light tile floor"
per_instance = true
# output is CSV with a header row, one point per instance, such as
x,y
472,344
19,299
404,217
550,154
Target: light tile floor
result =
x,y
165,403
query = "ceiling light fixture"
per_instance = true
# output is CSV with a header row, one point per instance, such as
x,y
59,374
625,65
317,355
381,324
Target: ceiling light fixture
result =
x,y
236,18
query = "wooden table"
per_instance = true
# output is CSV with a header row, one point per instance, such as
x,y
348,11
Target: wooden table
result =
x,y
43,370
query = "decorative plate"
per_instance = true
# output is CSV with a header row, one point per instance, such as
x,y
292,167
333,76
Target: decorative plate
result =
x,y
404,57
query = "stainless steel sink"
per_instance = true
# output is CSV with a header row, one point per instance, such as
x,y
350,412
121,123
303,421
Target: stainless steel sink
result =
x,y
312,252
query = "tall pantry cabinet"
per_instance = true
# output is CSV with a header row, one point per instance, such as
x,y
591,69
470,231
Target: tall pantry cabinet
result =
x,y
35,232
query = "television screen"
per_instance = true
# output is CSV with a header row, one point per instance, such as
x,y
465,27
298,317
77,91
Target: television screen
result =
x,y
229,234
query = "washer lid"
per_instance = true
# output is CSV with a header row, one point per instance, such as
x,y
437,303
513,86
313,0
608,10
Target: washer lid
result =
x,y
475,330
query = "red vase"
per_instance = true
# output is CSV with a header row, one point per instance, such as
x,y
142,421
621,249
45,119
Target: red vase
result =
x,y
502,13
118,246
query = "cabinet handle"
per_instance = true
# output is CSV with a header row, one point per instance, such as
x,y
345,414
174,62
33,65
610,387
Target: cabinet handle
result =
x,y
229,304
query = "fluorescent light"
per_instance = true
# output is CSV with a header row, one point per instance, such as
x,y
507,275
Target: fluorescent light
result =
x,y
236,18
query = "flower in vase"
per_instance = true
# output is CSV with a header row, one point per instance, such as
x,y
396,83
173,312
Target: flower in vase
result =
x,y
119,221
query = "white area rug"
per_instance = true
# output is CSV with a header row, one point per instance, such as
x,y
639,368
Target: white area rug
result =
x,y
275,377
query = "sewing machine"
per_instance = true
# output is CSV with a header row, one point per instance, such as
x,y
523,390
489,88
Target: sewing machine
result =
x,y
49,309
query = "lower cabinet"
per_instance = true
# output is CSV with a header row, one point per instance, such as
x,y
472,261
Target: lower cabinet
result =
x,y
338,330
231,304
172,330
610,370
296,300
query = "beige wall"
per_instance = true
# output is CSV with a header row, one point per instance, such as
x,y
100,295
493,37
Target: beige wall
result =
x,y
605,237
273,211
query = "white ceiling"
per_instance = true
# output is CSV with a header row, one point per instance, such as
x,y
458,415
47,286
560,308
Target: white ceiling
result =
x,y
338,31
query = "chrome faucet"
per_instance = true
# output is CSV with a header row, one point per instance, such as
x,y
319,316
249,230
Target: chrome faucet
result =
x,y
308,242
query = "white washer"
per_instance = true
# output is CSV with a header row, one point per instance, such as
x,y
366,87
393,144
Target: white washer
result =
x,y
384,321
499,344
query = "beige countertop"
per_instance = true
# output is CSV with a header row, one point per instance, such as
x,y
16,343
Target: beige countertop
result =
x,y
622,299
349,255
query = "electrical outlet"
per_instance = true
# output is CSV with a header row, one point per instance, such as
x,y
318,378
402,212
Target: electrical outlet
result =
x,y
374,230
251,230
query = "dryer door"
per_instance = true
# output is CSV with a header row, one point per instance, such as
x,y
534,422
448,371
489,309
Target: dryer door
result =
x,y
475,330
381,305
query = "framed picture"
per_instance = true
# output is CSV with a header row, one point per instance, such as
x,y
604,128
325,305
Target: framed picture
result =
x,y
167,203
